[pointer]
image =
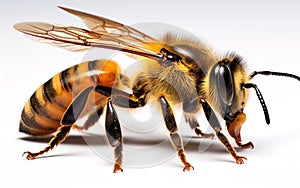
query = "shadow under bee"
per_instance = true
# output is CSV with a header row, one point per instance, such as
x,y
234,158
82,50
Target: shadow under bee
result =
x,y
191,144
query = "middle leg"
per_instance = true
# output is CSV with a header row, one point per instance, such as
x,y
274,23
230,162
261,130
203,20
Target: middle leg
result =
x,y
176,139
112,124
114,135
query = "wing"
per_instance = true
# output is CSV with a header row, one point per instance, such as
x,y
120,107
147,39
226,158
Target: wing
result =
x,y
106,34
103,25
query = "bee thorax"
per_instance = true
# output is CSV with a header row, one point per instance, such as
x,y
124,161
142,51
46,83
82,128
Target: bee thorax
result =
x,y
171,82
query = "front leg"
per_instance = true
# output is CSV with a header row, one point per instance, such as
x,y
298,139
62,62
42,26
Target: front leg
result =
x,y
214,123
230,149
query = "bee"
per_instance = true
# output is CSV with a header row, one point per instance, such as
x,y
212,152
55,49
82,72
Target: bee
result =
x,y
177,70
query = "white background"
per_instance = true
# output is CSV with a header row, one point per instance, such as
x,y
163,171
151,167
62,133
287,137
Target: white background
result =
x,y
266,33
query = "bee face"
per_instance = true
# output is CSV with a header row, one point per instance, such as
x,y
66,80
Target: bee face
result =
x,y
226,80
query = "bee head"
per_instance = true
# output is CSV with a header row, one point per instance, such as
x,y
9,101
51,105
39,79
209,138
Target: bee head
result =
x,y
226,81
228,85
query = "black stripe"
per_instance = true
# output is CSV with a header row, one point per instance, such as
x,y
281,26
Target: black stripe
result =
x,y
73,72
38,108
91,67
74,69
26,129
30,121
64,76
49,91
69,75
32,131
34,102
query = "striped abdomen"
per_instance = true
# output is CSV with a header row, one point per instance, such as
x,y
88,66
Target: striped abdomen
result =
x,y
45,108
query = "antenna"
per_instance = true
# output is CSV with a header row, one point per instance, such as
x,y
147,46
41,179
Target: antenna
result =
x,y
258,93
261,100
270,73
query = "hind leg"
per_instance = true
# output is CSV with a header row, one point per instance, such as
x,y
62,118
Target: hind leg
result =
x,y
69,118
59,137
91,120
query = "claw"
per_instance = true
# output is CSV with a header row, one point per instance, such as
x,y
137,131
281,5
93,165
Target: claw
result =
x,y
188,167
211,136
204,135
117,168
248,145
29,155
240,159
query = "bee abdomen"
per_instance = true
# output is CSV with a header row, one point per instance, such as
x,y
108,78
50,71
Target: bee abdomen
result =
x,y
43,111
39,116
45,108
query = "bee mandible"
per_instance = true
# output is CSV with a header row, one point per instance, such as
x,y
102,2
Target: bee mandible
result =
x,y
177,70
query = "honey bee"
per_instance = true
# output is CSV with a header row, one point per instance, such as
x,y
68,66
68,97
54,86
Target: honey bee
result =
x,y
177,70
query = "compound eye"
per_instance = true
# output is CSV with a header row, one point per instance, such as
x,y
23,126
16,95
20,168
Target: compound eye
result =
x,y
225,84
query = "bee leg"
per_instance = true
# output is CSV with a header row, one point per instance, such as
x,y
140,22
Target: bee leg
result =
x,y
120,98
190,109
214,123
59,137
109,91
204,135
112,125
195,126
230,149
176,139
114,135
91,120
248,145
69,118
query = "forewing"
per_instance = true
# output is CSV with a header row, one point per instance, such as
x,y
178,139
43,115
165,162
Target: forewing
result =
x,y
77,39
69,38
103,25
